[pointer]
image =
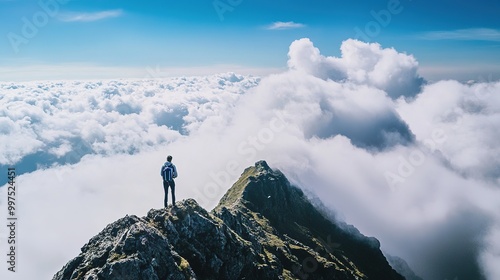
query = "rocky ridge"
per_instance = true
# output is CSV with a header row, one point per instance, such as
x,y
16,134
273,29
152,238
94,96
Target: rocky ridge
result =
x,y
263,228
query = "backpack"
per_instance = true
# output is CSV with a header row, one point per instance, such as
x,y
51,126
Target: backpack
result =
x,y
167,172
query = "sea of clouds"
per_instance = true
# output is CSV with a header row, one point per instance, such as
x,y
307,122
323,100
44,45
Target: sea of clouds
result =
x,y
415,164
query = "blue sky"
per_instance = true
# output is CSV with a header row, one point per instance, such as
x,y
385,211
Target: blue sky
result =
x,y
113,39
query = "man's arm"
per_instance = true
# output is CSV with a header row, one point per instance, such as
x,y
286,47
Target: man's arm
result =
x,y
175,172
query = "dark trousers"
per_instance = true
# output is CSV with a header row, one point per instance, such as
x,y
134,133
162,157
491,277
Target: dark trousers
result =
x,y
170,184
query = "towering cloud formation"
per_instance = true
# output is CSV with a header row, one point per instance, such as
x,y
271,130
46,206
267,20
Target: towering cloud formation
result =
x,y
360,63
414,165
326,108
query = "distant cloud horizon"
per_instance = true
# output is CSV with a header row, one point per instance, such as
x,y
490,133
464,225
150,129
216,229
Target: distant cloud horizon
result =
x,y
83,71
131,34
48,72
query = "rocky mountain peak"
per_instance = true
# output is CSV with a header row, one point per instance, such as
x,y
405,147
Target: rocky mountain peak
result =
x,y
263,228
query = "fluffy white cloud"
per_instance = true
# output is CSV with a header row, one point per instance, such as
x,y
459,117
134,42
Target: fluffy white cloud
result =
x,y
360,63
325,108
420,174
468,117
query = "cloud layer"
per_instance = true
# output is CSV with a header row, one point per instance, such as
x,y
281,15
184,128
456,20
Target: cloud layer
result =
x,y
414,164
60,122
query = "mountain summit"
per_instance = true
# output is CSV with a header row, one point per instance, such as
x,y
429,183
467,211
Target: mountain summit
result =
x,y
263,228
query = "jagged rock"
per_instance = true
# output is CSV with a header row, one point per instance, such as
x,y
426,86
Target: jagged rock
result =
x,y
279,220
130,248
263,228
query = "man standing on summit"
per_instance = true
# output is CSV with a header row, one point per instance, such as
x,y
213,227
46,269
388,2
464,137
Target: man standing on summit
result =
x,y
168,173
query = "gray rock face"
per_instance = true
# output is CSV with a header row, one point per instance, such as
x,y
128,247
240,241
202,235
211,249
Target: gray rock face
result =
x,y
263,228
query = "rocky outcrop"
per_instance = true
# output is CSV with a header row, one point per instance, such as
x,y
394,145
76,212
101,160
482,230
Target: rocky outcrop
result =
x,y
281,222
263,228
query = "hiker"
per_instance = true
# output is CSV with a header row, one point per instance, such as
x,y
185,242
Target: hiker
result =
x,y
168,173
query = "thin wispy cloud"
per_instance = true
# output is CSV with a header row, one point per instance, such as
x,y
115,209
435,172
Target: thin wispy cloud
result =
x,y
280,25
89,17
470,34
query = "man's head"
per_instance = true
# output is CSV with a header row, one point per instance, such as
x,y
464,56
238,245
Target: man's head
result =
x,y
169,158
